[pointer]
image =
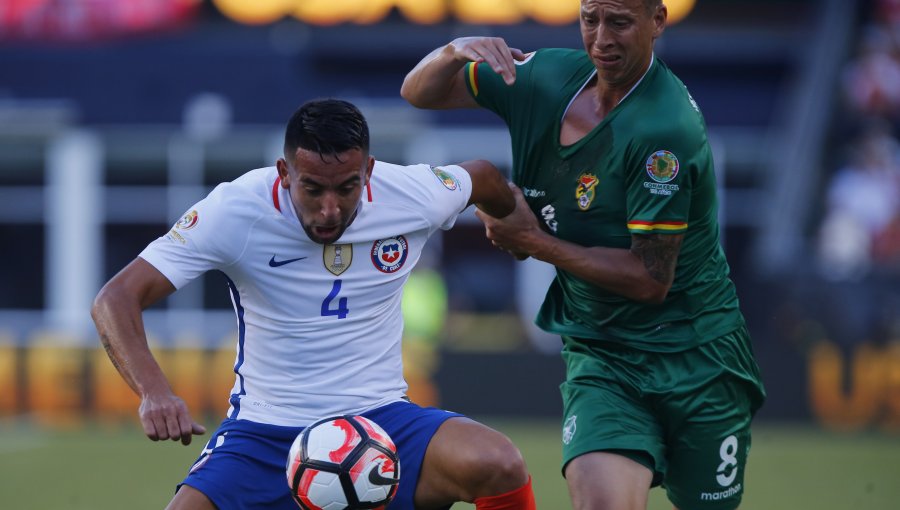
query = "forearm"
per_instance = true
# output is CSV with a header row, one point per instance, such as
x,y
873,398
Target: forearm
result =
x,y
490,189
121,329
617,270
433,80
498,205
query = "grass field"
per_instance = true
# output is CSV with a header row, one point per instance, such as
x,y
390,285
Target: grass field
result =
x,y
92,468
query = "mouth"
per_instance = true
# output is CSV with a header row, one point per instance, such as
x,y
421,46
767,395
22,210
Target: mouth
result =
x,y
608,60
326,232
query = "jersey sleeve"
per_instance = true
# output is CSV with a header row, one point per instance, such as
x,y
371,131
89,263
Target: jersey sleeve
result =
x,y
209,236
445,192
491,92
661,173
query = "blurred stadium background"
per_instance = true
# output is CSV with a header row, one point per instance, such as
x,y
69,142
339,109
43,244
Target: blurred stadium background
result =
x,y
116,115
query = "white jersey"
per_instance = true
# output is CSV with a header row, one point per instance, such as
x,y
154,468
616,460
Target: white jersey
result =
x,y
319,325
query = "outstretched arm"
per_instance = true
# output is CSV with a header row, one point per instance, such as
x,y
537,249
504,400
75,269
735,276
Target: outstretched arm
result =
x,y
117,313
490,190
644,272
438,81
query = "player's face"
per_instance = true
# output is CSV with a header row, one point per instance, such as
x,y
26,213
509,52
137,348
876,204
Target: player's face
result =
x,y
618,35
326,190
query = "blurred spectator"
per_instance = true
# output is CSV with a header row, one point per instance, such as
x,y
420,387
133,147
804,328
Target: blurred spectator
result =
x,y
886,249
889,12
858,250
859,242
862,220
80,20
871,81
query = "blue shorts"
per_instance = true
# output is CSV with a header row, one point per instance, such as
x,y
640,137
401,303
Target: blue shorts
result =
x,y
243,464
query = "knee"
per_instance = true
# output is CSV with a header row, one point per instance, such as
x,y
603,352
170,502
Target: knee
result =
x,y
498,468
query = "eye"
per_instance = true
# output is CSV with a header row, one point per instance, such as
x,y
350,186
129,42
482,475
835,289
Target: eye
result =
x,y
312,191
620,23
348,188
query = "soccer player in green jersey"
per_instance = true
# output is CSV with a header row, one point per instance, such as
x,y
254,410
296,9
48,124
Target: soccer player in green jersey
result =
x,y
610,154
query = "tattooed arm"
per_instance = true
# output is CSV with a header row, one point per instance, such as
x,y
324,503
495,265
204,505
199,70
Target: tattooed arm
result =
x,y
117,313
642,273
659,253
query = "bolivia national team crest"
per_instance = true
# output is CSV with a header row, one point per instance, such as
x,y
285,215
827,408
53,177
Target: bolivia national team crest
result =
x,y
585,192
388,255
337,257
662,166
569,428
447,179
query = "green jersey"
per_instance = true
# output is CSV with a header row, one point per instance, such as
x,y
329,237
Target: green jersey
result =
x,y
646,168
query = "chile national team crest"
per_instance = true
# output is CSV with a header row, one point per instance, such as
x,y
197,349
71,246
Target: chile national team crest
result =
x,y
585,192
388,255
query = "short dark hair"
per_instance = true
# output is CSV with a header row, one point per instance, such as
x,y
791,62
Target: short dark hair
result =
x,y
328,127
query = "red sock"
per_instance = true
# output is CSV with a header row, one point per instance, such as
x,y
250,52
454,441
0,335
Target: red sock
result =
x,y
519,499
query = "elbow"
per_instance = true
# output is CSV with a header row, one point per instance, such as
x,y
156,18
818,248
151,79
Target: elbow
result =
x,y
105,300
652,294
101,301
97,313
407,92
656,298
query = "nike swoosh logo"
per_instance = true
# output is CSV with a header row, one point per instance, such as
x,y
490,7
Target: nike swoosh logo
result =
x,y
279,263
376,478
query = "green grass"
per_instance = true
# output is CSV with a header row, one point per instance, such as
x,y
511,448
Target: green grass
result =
x,y
92,468
790,467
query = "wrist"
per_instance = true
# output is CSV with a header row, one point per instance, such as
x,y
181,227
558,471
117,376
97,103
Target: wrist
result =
x,y
540,245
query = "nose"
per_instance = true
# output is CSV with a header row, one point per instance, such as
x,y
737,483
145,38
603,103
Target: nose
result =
x,y
602,37
330,208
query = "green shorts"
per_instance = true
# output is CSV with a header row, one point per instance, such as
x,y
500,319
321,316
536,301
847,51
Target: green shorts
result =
x,y
685,415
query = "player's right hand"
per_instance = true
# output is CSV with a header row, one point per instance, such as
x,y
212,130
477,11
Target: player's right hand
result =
x,y
490,50
167,417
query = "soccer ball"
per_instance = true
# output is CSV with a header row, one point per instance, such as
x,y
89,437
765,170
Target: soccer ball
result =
x,y
343,463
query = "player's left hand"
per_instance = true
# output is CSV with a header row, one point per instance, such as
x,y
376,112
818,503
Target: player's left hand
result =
x,y
491,50
516,233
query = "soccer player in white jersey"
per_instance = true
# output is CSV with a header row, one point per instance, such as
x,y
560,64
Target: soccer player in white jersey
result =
x,y
316,251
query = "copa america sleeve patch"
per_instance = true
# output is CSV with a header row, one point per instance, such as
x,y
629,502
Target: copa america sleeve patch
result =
x,y
447,179
188,221
662,166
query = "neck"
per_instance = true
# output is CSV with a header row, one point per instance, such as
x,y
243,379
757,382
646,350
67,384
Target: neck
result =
x,y
609,95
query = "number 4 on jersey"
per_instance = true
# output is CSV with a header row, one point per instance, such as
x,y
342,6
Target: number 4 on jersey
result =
x,y
341,311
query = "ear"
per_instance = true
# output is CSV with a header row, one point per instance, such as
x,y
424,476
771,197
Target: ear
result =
x,y
370,164
659,20
282,167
